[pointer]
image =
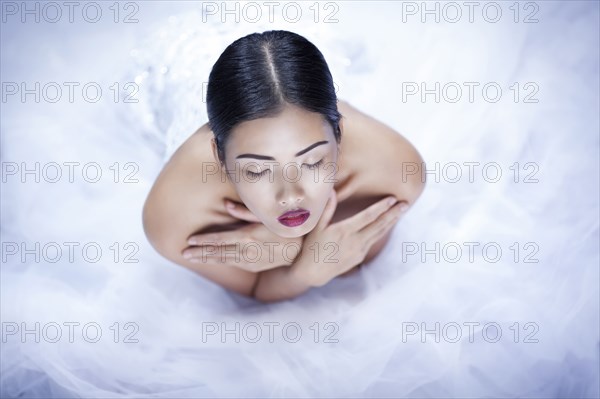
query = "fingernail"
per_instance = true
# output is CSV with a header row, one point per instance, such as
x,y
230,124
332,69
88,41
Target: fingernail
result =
x,y
403,207
192,241
230,205
187,255
391,200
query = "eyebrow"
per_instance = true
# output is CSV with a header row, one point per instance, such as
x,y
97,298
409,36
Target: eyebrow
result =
x,y
307,149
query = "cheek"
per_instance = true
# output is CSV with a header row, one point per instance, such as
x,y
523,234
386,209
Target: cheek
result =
x,y
256,197
317,195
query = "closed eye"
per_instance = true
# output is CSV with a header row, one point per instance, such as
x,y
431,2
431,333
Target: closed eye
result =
x,y
314,165
257,174
254,174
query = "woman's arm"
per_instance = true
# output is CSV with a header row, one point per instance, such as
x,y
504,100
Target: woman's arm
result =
x,y
279,284
167,236
267,286
352,238
230,277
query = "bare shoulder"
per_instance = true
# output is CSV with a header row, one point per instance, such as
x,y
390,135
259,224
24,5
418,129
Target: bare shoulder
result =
x,y
175,202
187,198
385,161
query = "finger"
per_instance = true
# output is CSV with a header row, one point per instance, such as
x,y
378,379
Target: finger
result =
x,y
215,239
373,232
368,215
231,259
378,229
205,251
202,239
328,211
240,211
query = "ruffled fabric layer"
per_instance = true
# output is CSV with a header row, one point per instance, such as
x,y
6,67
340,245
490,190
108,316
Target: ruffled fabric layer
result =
x,y
488,287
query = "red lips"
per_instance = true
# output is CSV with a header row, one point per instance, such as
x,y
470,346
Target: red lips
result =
x,y
294,218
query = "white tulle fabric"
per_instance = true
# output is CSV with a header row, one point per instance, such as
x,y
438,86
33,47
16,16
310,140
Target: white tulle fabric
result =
x,y
371,313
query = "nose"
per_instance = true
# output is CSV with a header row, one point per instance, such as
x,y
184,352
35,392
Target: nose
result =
x,y
291,196
290,192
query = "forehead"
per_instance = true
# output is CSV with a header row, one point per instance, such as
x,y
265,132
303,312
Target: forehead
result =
x,y
282,135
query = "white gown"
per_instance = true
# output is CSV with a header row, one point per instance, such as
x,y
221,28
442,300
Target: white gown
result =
x,y
520,324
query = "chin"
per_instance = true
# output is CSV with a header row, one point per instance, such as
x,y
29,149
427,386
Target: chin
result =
x,y
293,232
287,232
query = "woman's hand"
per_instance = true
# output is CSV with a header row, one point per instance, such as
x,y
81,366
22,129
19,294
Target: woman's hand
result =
x,y
331,250
252,247
240,211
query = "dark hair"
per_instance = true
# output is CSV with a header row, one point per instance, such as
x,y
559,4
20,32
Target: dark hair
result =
x,y
259,73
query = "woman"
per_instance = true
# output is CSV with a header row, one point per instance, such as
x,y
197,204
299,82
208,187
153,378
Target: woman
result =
x,y
304,208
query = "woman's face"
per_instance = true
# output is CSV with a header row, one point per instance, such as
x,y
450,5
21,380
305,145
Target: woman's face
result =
x,y
282,164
